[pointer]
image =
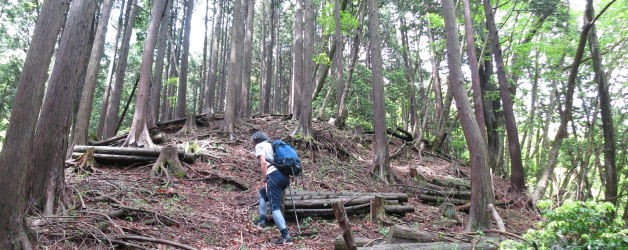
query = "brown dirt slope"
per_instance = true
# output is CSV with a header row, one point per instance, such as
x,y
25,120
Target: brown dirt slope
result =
x,y
209,209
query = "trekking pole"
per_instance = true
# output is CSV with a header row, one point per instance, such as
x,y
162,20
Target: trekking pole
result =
x,y
293,208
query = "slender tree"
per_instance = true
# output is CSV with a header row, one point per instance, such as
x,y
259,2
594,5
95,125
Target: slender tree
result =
x,y
110,72
183,72
473,65
157,82
248,48
20,134
517,178
305,121
116,89
610,191
265,101
47,171
138,135
213,63
481,188
339,58
381,165
87,95
297,65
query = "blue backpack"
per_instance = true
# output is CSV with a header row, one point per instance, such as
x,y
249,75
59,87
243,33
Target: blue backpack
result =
x,y
286,159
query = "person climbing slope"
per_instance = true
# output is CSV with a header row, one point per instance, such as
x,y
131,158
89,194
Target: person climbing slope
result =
x,y
274,184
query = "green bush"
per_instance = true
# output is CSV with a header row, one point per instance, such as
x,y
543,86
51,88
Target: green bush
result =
x,y
575,225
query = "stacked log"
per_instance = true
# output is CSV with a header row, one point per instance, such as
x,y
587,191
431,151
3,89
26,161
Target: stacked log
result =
x,y
122,155
320,203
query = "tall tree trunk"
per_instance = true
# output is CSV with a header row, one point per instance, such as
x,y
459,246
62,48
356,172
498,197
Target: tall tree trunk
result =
x,y
481,188
180,109
116,90
234,68
414,127
342,113
276,96
20,133
610,191
339,57
438,94
517,178
532,114
201,94
297,66
473,65
269,60
381,165
305,121
213,62
262,70
110,72
47,172
157,82
87,95
565,114
138,135
246,71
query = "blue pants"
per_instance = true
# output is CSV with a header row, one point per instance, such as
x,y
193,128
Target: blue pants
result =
x,y
276,183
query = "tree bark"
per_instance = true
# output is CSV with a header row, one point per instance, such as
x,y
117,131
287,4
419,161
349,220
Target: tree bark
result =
x,y
409,77
381,166
339,55
47,172
213,63
297,66
435,77
138,135
265,101
234,68
157,82
20,132
276,87
343,222
180,109
517,178
610,191
87,95
113,107
473,65
532,114
305,122
246,71
481,189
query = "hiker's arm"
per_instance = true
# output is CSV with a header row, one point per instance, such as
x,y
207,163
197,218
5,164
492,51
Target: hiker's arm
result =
x,y
264,166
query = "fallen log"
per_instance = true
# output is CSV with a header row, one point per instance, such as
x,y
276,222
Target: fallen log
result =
x,y
117,159
339,243
434,245
431,189
343,223
357,209
157,138
439,199
300,195
326,203
403,234
152,152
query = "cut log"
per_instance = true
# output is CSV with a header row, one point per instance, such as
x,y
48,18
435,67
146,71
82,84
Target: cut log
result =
x,y
357,209
438,199
343,222
86,162
451,182
326,203
377,209
117,159
401,197
403,234
339,243
168,161
431,189
448,210
434,245
152,152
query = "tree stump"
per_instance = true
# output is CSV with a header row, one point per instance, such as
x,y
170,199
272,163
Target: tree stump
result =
x,y
168,161
190,126
343,222
377,209
448,210
86,162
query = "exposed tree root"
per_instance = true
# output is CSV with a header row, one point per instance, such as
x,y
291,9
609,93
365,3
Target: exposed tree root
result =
x,y
168,161
189,127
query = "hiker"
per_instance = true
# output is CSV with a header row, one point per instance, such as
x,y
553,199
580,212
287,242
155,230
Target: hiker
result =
x,y
274,184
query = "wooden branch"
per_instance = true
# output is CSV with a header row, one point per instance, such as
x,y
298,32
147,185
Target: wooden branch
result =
x,y
434,245
126,107
343,222
401,197
496,217
155,240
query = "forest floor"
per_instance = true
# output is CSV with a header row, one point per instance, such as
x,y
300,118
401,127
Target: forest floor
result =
x,y
206,212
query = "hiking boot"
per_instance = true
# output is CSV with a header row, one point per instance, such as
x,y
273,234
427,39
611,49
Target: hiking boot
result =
x,y
282,241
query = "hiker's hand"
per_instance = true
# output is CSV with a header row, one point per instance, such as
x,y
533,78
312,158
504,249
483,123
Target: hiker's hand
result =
x,y
266,188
